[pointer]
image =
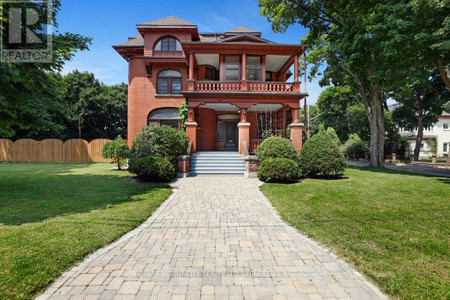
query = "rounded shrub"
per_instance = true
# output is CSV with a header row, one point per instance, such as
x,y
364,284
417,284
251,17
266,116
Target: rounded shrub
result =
x,y
321,156
278,170
276,147
163,141
153,168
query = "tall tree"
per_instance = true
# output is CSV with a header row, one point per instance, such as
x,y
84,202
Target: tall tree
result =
x,y
333,103
28,91
349,36
421,104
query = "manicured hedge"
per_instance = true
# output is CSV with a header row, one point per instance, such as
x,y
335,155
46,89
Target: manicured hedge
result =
x,y
163,141
153,168
276,147
278,170
321,156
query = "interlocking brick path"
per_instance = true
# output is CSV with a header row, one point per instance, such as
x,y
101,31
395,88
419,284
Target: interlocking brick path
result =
x,y
214,238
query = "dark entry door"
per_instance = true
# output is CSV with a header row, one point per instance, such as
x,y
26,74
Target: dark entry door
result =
x,y
231,134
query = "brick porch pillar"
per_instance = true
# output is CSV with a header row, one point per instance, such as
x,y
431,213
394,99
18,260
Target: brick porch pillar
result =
x,y
244,130
191,128
296,130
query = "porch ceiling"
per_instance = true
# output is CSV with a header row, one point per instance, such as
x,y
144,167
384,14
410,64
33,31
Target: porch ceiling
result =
x,y
231,107
273,62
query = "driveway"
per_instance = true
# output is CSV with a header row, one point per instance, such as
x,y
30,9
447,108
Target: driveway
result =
x,y
214,238
420,169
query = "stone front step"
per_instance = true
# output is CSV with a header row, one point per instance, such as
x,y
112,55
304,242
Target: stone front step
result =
x,y
216,163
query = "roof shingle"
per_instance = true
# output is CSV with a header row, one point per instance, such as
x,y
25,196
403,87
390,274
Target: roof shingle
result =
x,y
171,21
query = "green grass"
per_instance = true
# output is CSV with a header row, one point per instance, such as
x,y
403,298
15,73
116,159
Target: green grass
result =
x,y
393,226
53,215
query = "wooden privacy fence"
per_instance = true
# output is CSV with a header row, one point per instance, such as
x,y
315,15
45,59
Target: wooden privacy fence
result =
x,y
52,150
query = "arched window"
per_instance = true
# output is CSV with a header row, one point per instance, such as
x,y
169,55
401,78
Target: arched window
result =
x,y
168,43
165,116
169,82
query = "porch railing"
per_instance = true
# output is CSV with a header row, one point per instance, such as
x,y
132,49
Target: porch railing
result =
x,y
254,143
249,86
270,87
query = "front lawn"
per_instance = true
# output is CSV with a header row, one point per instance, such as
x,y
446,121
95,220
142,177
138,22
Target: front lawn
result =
x,y
393,226
52,215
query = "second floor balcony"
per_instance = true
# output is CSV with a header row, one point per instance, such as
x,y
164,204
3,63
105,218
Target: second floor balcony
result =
x,y
245,86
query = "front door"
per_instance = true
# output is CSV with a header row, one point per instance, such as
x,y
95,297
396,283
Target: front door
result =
x,y
231,135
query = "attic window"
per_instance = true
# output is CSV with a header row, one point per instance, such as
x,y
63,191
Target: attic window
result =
x,y
168,44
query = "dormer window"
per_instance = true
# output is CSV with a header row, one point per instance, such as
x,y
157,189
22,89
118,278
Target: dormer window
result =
x,y
168,43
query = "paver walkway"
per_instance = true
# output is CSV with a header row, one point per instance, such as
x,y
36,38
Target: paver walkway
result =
x,y
214,238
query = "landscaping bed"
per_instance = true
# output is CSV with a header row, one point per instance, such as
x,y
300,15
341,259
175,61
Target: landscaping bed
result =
x,y
393,226
52,215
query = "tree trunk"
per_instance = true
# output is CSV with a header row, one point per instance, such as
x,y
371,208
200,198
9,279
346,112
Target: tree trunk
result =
x,y
419,131
440,65
375,114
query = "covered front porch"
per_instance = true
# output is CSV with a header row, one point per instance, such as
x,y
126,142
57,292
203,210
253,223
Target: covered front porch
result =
x,y
241,126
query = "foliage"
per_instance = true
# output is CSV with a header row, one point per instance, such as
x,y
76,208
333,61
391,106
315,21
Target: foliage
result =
x,y
332,133
355,147
29,93
314,120
321,156
278,170
333,103
163,141
421,105
432,143
153,168
53,215
360,43
116,150
391,225
446,107
276,147
183,112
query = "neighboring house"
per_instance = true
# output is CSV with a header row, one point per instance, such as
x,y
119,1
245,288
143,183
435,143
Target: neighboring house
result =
x,y
235,84
439,131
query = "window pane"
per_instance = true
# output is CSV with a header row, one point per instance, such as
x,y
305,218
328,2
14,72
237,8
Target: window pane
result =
x,y
253,62
172,44
176,86
445,125
253,74
158,46
220,131
268,76
232,62
232,75
172,123
162,86
152,123
178,48
209,74
169,73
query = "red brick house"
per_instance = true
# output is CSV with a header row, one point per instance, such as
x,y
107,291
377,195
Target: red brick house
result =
x,y
235,84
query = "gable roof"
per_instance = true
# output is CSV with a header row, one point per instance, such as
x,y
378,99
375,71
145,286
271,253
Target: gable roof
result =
x,y
170,21
245,38
242,29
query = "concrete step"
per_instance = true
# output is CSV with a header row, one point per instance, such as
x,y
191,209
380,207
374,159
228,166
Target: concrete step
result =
x,y
217,163
217,173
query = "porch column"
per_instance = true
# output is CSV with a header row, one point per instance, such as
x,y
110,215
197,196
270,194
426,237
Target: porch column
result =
x,y
296,82
191,80
244,72
191,128
244,130
296,130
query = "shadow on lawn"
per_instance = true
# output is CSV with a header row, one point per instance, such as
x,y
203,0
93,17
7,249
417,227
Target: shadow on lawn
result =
x,y
397,172
33,193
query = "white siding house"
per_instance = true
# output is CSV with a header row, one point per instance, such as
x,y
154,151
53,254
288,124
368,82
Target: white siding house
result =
x,y
440,131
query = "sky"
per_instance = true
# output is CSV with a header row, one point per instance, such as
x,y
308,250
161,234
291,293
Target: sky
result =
x,y
111,22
